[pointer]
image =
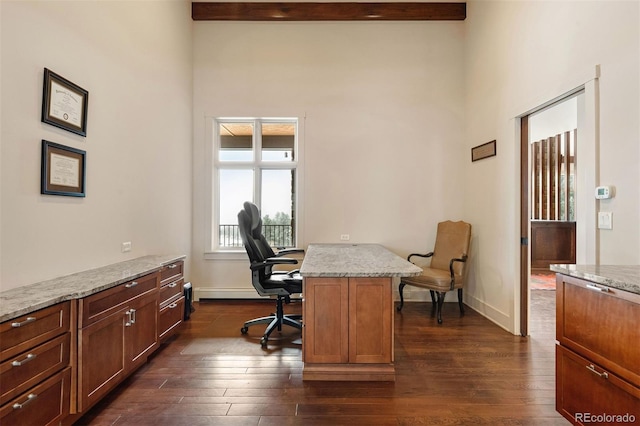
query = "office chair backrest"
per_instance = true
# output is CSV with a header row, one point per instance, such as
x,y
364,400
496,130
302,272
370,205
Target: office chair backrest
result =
x,y
261,243
244,224
452,241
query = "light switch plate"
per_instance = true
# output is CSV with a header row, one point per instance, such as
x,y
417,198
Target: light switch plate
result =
x,y
605,220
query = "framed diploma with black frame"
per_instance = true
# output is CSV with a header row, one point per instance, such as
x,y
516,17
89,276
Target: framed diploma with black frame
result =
x,y
63,170
64,104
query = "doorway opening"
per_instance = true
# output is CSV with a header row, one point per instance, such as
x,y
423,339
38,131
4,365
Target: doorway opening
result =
x,y
549,161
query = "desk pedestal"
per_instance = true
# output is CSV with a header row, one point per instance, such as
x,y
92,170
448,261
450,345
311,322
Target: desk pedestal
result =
x,y
348,329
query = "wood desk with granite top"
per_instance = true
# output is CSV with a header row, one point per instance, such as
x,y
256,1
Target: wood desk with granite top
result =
x,y
348,311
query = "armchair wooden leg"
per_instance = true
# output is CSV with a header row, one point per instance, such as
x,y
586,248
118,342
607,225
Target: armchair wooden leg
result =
x,y
460,302
400,288
441,295
434,304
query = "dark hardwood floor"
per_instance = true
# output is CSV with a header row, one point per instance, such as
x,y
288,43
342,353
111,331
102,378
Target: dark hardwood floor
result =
x,y
467,371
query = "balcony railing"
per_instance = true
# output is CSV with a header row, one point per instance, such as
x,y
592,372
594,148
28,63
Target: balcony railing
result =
x,y
276,235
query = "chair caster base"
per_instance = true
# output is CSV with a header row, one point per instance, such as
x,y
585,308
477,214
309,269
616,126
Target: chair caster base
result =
x,y
244,330
263,342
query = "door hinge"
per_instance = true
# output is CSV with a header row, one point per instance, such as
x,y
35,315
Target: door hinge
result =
x,y
524,241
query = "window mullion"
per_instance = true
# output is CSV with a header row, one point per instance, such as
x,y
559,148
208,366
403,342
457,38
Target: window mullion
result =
x,y
257,163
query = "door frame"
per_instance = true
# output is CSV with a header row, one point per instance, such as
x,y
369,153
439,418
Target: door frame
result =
x,y
587,176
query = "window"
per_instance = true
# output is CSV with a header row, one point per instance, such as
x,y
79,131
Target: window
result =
x,y
254,160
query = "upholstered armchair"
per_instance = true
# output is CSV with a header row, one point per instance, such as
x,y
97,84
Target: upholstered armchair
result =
x,y
446,271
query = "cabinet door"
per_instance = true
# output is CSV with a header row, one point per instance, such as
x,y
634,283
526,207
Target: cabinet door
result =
x,y
142,335
101,357
326,320
370,320
585,389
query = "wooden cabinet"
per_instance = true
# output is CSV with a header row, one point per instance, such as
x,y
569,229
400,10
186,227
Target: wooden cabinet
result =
x,y
171,301
348,329
118,330
35,368
57,362
598,355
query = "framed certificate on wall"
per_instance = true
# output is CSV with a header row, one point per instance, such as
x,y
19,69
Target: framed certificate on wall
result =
x,y
64,104
63,170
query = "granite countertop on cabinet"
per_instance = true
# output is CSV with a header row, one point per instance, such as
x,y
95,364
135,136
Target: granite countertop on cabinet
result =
x,y
621,277
354,260
30,298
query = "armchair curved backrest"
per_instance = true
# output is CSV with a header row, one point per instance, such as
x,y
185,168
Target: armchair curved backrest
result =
x,y
452,241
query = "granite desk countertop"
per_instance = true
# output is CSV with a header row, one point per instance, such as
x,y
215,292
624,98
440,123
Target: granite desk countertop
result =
x,y
354,260
621,277
26,299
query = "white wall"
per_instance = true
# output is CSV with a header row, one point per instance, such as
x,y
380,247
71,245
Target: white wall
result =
x,y
134,58
515,62
392,110
384,106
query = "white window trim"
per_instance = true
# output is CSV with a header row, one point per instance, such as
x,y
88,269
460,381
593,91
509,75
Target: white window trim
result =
x,y
211,251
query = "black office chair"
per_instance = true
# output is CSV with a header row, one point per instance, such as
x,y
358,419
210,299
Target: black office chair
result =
x,y
267,282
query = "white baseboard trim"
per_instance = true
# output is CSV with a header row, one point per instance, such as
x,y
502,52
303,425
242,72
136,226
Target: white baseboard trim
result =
x,y
494,315
410,295
501,319
225,293
230,293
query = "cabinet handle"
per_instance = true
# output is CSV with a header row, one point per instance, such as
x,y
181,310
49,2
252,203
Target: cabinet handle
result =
x,y
133,315
598,288
173,305
25,322
131,284
172,266
129,322
30,398
172,285
30,357
591,368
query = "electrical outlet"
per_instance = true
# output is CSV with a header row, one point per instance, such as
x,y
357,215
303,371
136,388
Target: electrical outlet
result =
x,y
344,237
126,246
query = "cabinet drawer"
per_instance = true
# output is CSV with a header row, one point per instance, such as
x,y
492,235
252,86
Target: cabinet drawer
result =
x,y
600,323
170,292
27,369
172,272
46,404
170,318
585,389
104,303
26,332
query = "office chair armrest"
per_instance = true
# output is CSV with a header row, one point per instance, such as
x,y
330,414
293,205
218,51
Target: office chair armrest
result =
x,y
462,259
418,254
255,266
283,251
281,261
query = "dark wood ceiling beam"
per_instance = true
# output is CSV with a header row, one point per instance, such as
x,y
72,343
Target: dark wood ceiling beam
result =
x,y
299,11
